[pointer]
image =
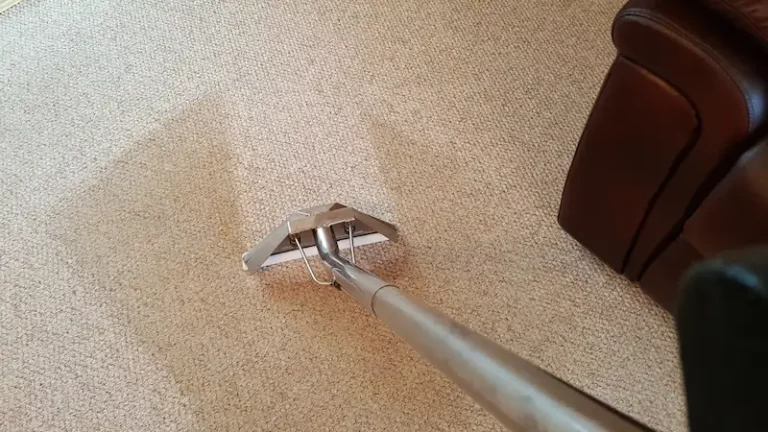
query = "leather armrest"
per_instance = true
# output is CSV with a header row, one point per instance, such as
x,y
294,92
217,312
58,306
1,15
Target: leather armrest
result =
x,y
721,74
694,51
630,143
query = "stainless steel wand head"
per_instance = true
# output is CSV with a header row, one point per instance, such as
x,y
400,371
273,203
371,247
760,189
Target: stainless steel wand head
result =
x,y
294,238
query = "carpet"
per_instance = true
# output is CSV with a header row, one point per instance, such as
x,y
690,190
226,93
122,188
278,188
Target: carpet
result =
x,y
146,145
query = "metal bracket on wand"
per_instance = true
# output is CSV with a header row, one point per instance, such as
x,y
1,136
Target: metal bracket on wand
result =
x,y
297,241
309,267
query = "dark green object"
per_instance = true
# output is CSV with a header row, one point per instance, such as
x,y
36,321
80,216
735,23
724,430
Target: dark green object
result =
x,y
723,328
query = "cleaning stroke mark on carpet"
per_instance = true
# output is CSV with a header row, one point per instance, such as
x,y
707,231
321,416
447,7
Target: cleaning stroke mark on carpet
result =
x,y
158,234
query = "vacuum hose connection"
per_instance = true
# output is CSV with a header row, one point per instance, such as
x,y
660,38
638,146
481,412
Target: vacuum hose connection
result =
x,y
351,279
519,394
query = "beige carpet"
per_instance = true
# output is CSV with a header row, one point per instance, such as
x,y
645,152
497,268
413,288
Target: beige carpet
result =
x,y
145,145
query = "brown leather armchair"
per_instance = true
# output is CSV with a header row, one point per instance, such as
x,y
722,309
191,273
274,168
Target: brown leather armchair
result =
x,y
671,166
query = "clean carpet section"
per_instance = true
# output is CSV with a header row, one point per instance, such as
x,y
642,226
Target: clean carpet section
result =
x,y
146,145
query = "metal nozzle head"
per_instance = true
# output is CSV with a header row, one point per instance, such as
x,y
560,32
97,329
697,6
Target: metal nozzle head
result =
x,y
278,246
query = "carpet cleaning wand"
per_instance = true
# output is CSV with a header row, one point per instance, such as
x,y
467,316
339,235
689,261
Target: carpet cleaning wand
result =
x,y
519,394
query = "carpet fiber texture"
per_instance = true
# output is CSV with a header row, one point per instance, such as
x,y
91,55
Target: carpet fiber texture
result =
x,y
145,145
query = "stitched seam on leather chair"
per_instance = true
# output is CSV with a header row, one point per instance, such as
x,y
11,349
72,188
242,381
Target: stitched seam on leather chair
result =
x,y
671,170
665,25
712,57
697,199
673,167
